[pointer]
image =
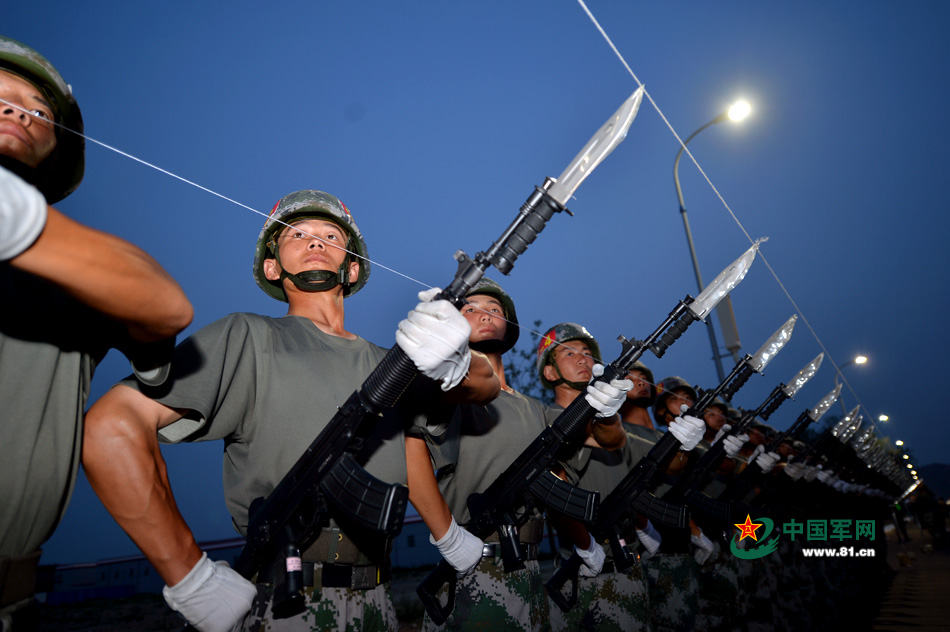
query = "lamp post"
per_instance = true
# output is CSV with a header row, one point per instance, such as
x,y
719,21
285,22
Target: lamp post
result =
x,y
736,112
858,359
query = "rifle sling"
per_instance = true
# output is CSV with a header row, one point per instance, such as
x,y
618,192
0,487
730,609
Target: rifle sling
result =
x,y
320,575
530,532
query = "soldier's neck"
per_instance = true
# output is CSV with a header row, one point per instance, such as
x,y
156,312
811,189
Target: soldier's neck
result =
x,y
323,309
564,395
494,359
636,416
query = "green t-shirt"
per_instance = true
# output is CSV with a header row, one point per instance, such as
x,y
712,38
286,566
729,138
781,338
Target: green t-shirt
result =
x,y
268,386
49,347
474,444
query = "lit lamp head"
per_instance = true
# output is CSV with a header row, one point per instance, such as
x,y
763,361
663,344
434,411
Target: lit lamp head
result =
x,y
739,111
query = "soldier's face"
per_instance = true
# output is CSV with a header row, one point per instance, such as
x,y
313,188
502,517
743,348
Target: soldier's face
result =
x,y
641,387
486,316
574,361
714,418
676,401
310,244
27,138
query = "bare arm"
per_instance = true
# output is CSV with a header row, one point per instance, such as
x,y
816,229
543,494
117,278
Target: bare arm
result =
x,y
606,433
480,386
424,491
125,468
110,275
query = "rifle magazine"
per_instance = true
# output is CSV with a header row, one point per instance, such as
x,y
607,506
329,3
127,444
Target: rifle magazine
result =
x,y
659,511
564,498
363,498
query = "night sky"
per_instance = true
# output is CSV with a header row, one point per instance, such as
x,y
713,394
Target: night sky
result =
x,y
434,121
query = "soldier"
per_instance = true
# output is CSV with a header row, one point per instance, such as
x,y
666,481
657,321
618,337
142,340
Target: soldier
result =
x,y
471,447
635,412
673,573
609,599
268,386
719,575
71,293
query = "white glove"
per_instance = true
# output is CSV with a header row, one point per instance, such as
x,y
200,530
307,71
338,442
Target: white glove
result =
x,y
723,430
704,547
650,538
606,398
22,214
795,470
688,430
811,471
593,559
759,449
767,461
460,548
212,596
733,443
435,337
825,476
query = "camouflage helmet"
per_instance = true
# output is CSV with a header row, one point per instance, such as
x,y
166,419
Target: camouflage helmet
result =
x,y
61,172
559,334
489,288
648,376
664,390
309,204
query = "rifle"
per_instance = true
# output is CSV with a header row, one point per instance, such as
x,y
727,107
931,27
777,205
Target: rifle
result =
x,y
752,474
688,488
532,466
695,476
618,503
327,479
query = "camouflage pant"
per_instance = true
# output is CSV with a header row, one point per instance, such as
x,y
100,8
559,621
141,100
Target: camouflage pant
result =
x,y
610,601
343,609
718,593
759,585
674,591
490,599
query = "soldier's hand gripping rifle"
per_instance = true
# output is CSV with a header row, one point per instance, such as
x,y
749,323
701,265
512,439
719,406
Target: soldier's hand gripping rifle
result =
x,y
502,497
618,504
722,510
695,477
327,478
752,475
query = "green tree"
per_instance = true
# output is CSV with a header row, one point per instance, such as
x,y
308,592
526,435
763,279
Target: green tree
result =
x,y
520,371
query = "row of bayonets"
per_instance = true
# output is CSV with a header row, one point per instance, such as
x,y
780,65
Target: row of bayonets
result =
x,y
328,480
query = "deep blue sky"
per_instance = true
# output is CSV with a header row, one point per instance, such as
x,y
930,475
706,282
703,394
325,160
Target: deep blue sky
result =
x,y
433,121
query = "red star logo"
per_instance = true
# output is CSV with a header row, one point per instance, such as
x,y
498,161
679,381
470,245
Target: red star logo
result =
x,y
747,529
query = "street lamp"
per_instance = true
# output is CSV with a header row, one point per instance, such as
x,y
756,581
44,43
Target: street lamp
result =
x,y
882,418
737,112
858,359
898,443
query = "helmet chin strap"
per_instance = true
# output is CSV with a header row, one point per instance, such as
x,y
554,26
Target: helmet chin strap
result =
x,y
488,346
28,173
317,280
641,402
577,386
